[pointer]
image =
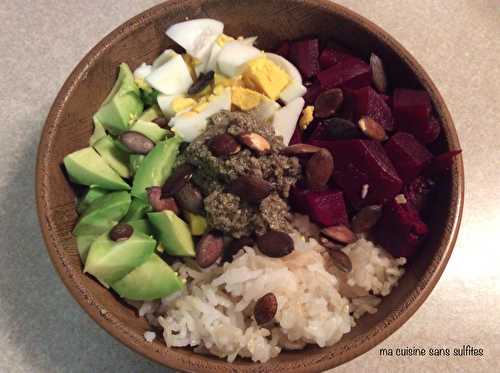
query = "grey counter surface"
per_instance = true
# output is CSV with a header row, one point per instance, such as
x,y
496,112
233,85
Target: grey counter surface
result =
x,y
43,330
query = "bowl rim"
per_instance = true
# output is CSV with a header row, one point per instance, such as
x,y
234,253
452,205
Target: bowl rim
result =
x,y
172,359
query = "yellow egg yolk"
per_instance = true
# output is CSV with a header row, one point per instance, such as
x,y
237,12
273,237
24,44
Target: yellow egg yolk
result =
x,y
307,117
245,98
266,77
182,103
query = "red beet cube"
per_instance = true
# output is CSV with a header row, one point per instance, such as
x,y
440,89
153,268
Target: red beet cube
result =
x,y
428,132
348,73
305,55
319,133
387,99
366,102
419,191
359,163
298,199
411,109
284,49
400,230
441,163
327,207
313,91
330,57
407,154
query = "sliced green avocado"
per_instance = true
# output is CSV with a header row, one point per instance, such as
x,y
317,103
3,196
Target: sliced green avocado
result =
x,y
154,279
110,261
173,233
123,103
137,210
102,214
99,131
151,114
113,155
135,161
149,129
92,194
142,226
86,167
156,167
197,223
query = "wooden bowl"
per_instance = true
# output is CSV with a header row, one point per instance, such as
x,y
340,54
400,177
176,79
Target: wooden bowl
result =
x,y
69,126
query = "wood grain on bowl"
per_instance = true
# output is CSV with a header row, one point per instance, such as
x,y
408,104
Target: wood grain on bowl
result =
x,y
69,126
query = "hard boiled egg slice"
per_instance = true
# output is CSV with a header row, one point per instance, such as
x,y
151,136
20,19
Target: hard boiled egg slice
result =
x,y
249,41
163,58
172,77
295,88
191,124
212,59
265,110
171,105
285,119
142,71
165,104
285,65
234,55
196,36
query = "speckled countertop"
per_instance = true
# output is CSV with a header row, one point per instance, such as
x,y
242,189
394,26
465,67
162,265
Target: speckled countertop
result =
x,y
43,330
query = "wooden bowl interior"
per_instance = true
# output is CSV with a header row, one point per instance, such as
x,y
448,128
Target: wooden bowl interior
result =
x,y
69,126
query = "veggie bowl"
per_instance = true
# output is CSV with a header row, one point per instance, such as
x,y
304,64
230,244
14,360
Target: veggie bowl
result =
x,y
249,194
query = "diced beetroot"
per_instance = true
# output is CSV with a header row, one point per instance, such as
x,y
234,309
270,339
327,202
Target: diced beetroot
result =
x,y
313,91
349,73
305,55
387,99
284,49
298,199
330,57
429,132
400,230
359,163
327,207
407,154
319,133
348,108
419,191
367,102
441,163
296,137
411,109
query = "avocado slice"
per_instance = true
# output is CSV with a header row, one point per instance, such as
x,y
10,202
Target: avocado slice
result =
x,y
110,261
135,161
99,131
173,233
197,223
142,226
102,214
149,129
123,103
156,167
137,210
116,158
151,114
86,167
92,194
154,279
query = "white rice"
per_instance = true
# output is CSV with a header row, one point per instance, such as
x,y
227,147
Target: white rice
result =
x,y
317,304
149,336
